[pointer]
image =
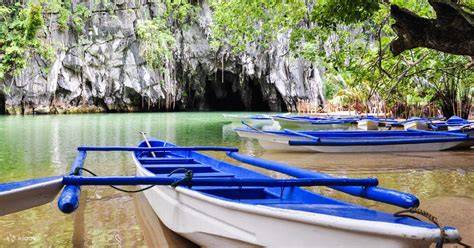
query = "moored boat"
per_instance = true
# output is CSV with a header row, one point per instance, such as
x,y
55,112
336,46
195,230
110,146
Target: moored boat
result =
x,y
358,141
257,119
217,204
313,123
258,216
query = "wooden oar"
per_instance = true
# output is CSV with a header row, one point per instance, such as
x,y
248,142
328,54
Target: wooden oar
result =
x,y
147,143
253,128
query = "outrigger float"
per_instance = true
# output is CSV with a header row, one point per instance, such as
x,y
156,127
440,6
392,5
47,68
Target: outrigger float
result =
x,y
216,203
358,141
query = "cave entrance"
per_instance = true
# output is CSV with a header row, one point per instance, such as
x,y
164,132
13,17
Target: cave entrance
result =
x,y
257,103
230,95
220,95
2,102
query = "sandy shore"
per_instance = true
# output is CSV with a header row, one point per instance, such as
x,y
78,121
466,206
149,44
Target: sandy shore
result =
x,y
454,211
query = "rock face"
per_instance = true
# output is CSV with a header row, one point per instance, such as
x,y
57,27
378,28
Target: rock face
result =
x,y
100,69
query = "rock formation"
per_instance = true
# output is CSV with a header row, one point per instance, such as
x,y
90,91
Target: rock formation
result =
x,y
100,69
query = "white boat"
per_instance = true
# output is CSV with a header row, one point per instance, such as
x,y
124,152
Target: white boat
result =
x,y
368,124
358,141
224,221
312,123
217,204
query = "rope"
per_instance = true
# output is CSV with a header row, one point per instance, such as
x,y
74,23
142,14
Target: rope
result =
x,y
188,177
430,217
76,173
440,240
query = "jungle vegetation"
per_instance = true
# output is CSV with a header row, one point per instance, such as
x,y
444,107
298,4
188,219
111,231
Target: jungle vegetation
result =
x,y
399,56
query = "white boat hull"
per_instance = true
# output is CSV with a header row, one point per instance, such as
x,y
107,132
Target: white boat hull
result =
x,y
280,143
212,222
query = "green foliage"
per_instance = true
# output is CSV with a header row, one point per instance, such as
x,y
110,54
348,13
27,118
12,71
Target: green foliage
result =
x,y
351,39
62,9
329,13
34,20
18,37
181,12
239,22
156,42
79,17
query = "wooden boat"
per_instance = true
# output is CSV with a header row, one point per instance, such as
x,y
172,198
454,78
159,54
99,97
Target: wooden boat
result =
x,y
217,204
313,123
358,141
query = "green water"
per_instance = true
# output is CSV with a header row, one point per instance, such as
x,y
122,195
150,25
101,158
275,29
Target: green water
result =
x,y
38,146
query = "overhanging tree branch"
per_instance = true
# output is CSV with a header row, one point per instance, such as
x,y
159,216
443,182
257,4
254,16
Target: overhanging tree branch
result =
x,y
451,32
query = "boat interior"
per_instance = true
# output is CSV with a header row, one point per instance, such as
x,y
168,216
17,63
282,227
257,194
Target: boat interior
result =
x,y
176,163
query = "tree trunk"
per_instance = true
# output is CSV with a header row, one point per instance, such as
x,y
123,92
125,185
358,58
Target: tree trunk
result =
x,y
451,32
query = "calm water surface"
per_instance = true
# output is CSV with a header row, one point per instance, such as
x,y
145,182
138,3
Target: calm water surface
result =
x,y
38,146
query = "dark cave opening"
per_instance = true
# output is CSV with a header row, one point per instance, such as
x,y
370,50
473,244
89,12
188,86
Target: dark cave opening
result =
x,y
232,95
2,103
257,102
282,105
221,96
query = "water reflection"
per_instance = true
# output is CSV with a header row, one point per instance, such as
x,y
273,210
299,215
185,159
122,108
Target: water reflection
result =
x,y
155,232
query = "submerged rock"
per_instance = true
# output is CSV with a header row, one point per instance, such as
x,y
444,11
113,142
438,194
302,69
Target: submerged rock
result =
x,y
100,68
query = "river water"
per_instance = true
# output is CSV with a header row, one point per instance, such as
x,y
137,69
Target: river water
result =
x,y
39,146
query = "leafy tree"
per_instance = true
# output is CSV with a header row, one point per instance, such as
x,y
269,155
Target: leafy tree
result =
x,y
352,39
18,37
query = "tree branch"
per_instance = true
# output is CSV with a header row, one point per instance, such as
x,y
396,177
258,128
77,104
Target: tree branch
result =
x,y
451,32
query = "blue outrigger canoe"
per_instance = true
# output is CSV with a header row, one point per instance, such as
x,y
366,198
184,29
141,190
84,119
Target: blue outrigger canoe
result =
x,y
314,123
359,141
218,204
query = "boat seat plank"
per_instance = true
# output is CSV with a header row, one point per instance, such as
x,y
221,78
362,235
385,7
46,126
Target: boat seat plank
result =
x,y
168,168
167,161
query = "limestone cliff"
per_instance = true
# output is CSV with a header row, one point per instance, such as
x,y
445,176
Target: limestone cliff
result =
x,y
100,68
